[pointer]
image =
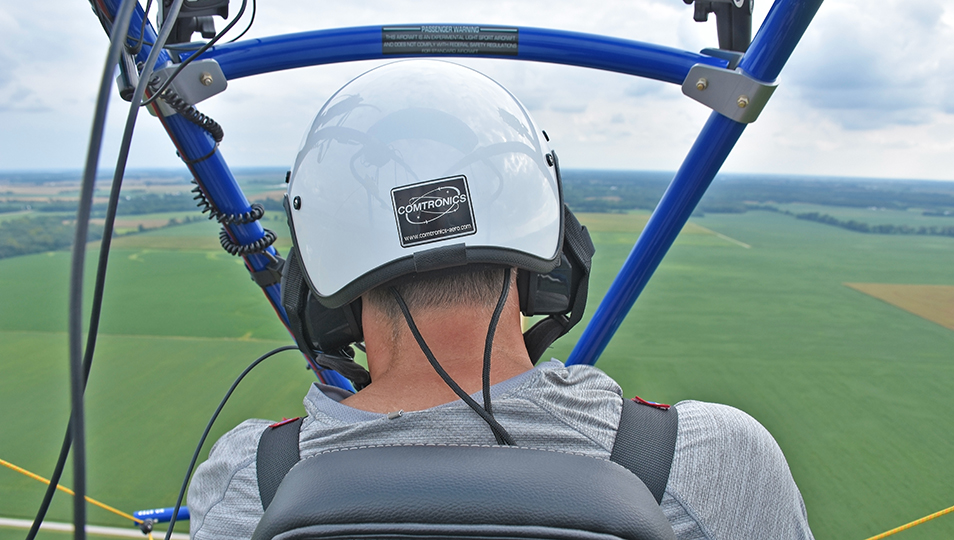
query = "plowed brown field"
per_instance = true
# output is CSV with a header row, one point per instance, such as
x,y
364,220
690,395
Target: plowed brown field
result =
x,y
932,302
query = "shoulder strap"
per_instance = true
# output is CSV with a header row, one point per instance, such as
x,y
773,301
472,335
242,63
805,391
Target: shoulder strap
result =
x,y
277,454
645,443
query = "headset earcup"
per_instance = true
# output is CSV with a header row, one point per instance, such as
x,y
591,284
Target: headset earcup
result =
x,y
561,293
546,294
314,326
294,298
332,329
524,278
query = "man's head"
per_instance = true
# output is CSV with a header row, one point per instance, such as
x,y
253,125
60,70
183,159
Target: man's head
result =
x,y
475,288
454,313
422,168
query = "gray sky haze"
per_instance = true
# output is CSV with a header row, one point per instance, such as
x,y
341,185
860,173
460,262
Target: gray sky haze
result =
x,y
867,93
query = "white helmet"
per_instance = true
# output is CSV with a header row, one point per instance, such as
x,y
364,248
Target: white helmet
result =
x,y
416,166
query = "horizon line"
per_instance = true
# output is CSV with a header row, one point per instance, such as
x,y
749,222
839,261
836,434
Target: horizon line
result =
x,y
106,174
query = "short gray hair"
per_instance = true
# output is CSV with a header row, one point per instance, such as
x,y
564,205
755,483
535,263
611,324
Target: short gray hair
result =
x,y
472,287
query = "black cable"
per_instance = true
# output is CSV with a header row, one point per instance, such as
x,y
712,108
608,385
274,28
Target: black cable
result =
x,y
118,174
208,428
255,213
185,47
250,23
84,208
104,21
142,31
241,250
55,478
197,54
189,112
98,293
489,343
498,430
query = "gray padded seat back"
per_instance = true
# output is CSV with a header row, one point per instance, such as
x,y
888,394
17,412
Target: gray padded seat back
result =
x,y
471,492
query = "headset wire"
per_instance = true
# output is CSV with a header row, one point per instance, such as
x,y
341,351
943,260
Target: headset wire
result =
x,y
79,371
489,343
208,428
500,434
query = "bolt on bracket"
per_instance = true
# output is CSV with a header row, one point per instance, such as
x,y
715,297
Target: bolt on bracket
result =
x,y
197,81
733,94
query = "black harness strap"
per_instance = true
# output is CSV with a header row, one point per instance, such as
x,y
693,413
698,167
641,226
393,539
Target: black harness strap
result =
x,y
645,443
277,454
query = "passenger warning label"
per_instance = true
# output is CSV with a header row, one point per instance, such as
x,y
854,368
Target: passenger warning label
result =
x,y
450,39
433,210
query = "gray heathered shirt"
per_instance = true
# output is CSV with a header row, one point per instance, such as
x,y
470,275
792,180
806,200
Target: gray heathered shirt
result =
x,y
729,479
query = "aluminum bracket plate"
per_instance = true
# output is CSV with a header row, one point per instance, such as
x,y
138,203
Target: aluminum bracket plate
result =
x,y
732,94
197,81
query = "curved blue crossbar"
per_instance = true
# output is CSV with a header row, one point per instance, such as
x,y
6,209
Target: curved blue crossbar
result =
x,y
770,49
290,51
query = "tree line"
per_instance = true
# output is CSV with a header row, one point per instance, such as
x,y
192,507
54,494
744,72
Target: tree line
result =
x,y
622,191
583,191
151,203
858,226
27,235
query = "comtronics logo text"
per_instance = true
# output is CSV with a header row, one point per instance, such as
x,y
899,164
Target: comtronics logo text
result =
x,y
432,205
433,210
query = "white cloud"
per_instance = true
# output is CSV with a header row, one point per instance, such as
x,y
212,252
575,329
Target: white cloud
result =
x,y
867,93
878,65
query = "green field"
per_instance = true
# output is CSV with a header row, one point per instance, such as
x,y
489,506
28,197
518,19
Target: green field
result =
x,y
854,389
913,217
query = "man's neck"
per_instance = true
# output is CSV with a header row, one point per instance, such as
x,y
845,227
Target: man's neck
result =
x,y
403,379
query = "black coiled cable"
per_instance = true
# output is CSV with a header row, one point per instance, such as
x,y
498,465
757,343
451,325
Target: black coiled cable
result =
x,y
241,250
189,112
203,202
255,213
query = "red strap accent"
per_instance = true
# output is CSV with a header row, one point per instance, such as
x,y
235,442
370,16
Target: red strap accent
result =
x,y
290,420
641,401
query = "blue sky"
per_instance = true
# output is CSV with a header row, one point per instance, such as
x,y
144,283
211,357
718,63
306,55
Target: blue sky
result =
x,y
869,92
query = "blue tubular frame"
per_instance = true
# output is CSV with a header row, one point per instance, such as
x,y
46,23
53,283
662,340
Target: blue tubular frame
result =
x,y
278,53
771,48
207,165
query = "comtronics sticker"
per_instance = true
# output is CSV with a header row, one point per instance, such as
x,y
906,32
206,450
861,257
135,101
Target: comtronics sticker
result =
x,y
433,210
451,39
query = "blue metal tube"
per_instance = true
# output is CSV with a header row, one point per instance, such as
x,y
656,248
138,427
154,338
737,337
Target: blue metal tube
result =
x,y
256,56
162,515
194,143
221,187
771,48
691,181
781,30
135,26
197,148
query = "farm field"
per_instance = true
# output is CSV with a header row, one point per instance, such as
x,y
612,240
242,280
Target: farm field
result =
x,y
748,309
933,302
854,389
913,217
